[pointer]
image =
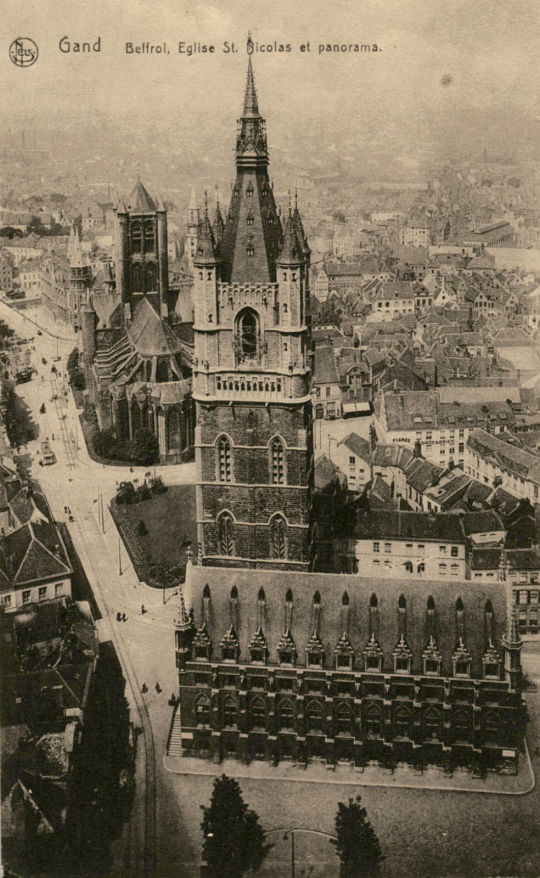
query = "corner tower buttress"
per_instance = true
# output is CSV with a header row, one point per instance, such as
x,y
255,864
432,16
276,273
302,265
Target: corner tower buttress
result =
x,y
252,372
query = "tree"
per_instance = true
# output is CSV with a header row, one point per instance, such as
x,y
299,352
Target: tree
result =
x,y
357,845
144,448
233,838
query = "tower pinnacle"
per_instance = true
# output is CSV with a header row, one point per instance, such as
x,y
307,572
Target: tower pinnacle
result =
x,y
251,107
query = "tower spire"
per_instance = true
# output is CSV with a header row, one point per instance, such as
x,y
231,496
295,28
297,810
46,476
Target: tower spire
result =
x,y
251,107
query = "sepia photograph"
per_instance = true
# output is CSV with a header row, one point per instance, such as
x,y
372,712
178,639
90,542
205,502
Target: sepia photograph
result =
x,y
270,439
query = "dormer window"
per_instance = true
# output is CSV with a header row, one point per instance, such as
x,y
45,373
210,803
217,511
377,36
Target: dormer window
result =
x,y
462,668
249,190
250,219
250,250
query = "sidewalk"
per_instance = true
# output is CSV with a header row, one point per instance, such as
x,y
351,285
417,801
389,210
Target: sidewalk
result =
x,y
404,776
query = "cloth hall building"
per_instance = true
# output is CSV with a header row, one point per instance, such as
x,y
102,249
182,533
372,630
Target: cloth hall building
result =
x,y
276,661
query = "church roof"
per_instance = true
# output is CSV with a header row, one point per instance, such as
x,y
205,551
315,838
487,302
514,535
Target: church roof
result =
x,y
150,335
206,245
139,201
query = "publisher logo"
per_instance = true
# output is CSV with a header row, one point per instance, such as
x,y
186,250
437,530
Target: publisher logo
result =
x,y
23,52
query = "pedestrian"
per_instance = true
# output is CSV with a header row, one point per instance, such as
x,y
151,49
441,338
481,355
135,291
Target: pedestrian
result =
x,y
143,610
119,616
144,688
124,617
158,688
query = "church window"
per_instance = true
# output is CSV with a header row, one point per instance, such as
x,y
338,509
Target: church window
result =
x,y
250,250
278,462
224,460
491,727
151,277
247,333
226,534
461,724
285,307
284,275
278,537
137,278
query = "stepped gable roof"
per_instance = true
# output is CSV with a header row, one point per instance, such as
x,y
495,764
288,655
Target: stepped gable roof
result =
x,y
150,334
139,201
358,445
359,589
485,521
32,553
325,370
407,525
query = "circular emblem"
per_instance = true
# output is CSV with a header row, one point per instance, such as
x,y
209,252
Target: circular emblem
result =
x,y
23,52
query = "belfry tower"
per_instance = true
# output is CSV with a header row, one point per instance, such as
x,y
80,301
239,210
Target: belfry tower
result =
x,y
252,371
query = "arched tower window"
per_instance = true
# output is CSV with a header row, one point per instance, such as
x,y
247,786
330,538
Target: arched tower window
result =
x,y
137,277
136,238
224,460
226,534
149,237
277,453
247,331
278,537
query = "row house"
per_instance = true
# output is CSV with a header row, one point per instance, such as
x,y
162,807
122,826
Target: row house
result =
x,y
495,462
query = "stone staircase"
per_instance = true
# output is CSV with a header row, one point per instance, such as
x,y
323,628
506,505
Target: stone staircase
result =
x,y
174,746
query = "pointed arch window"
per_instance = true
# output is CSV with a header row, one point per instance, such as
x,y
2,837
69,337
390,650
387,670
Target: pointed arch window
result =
x,y
230,711
403,721
286,714
247,334
373,721
136,238
314,717
257,713
137,277
278,537
344,718
203,711
432,723
226,534
151,277
224,460
149,237
277,454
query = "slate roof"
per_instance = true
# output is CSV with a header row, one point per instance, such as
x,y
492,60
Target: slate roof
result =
x,y
421,474
150,335
515,459
392,455
358,445
33,553
485,521
423,526
331,588
139,201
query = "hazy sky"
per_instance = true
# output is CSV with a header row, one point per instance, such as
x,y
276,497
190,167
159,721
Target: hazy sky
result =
x,y
438,57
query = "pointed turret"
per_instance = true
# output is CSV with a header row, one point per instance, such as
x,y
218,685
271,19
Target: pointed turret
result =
x,y
291,250
205,253
219,223
299,228
251,146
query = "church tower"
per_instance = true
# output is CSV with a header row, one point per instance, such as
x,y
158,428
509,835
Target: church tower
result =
x,y
80,277
192,227
142,262
252,371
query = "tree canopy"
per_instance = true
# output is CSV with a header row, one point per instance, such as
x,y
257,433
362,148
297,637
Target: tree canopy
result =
x,y
357,845
233,838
